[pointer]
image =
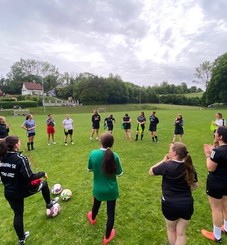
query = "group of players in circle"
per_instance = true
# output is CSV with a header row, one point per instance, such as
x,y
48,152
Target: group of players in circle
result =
x,y
178,173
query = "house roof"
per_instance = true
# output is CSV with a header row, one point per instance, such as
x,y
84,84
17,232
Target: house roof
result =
x,y
33,86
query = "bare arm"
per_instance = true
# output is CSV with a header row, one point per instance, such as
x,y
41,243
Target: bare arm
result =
x,y
211,165
165,159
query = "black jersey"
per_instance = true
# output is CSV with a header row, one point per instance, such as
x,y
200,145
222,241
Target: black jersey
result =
x,y
95,120
109,121
16,173
179,123
153,120
4,131
174,185
141,119
219,155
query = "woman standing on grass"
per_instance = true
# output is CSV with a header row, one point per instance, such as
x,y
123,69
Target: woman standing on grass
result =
x,y
4,128
179,130
126,123
178,179
95,119
30,126
20,182
141,120
109,123
216,159
50,128
68,129
105,166
154,121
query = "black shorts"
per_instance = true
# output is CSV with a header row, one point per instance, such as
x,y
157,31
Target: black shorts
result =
x,y
70,132
174,210
152,128
142,126
179,131
95,126
29,134
110,128
127,125
215,189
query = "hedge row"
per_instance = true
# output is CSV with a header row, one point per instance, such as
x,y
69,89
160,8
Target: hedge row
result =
x,y
13,104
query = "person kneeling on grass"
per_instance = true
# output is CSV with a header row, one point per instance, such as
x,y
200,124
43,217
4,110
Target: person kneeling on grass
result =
x,y
20,182
105,166
178,179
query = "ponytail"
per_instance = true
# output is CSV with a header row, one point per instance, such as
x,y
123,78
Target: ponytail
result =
x,y
109,166
3,150
189,170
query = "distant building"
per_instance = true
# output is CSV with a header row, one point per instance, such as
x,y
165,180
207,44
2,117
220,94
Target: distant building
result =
x,y
32,89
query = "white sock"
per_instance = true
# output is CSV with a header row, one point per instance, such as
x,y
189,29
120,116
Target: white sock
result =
x,y
225,225
217,232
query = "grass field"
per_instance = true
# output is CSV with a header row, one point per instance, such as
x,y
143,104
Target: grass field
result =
x,y
139,220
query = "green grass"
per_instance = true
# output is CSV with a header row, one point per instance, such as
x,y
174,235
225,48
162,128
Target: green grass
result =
x,y
139,219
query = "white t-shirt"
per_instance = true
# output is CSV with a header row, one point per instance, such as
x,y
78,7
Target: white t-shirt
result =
x,y
220,122
68,123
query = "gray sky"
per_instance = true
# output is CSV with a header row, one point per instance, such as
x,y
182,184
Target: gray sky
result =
x,y
143,41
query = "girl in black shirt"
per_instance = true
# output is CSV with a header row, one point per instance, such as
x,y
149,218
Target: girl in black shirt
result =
x,y
179,130
20,182
95,119
178,179
126,123
216,189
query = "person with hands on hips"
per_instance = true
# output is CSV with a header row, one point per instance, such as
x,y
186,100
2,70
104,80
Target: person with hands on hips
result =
x,y
216,187
30,125
20,182
179,178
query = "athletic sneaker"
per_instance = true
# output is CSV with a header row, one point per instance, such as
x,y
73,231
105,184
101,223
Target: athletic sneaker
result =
x,y
52,202
209,235
90,139
26,235
89,216
48,144
97,138
54,142
112,235
66,143
72,142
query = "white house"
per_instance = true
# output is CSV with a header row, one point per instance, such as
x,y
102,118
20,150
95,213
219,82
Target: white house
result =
x,y
32,89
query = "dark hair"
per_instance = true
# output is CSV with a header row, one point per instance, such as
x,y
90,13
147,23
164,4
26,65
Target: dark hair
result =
x,y
222,131
179,115
28,116
183,154
154,112
126,114
8,144
219,114
109,166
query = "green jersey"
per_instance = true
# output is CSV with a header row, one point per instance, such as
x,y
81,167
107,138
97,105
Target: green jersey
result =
x,y
105,188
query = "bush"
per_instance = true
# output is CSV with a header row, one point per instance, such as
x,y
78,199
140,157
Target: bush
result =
x,y
22,104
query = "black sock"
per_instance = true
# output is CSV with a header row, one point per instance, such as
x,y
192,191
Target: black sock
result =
x,y
137,137
156,137
153,138
32,144
141,136
28,145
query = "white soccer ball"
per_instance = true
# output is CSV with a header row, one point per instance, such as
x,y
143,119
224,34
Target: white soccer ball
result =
x,y
53,211
66,195
56,189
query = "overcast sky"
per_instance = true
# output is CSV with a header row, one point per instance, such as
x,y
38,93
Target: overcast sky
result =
x,y
143,41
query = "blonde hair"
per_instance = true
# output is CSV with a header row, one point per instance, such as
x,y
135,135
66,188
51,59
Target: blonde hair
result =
x,y
2,120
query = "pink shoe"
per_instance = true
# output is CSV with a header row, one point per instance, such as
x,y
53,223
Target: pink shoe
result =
x,y
89,216
112,235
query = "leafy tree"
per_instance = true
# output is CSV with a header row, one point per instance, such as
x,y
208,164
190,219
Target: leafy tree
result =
x,y
203,72
217,87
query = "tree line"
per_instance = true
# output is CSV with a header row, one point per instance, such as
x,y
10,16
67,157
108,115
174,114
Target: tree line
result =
x,y
92,89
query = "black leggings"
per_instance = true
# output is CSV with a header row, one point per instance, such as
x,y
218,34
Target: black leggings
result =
x,y
110,214
17,204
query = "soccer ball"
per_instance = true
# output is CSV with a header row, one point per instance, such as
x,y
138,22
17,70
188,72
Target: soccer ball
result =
x,y
53,211
56,189
66,195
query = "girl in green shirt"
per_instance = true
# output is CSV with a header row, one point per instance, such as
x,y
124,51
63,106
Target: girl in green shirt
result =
x,y
105,166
